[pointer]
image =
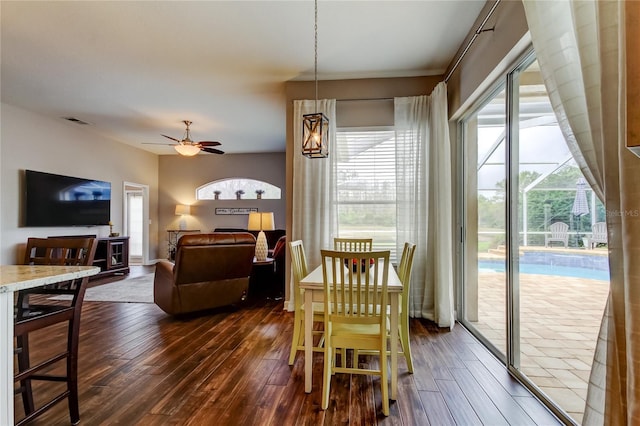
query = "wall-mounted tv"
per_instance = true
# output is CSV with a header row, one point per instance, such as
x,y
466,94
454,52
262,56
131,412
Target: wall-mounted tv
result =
x,y
56,200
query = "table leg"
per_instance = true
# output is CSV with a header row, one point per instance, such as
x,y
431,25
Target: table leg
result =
x,y
6,358
308,340
393,332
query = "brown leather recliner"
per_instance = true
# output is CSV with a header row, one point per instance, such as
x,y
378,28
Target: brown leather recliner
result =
x,y
210,270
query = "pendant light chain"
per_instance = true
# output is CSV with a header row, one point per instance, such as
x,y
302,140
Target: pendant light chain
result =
x,y
315,35
315,126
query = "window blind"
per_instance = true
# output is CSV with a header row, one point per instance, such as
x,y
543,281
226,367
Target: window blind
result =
x,y
366,186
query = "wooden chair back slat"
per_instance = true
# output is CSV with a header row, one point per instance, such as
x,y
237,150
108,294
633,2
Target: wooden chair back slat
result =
x,y
353,244
299,269
355,284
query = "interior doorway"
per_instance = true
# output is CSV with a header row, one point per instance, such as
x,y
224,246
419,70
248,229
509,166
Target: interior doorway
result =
x,y
136,221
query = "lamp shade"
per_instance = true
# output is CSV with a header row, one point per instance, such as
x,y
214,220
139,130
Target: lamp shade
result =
x,y
261,221
182,209
187,150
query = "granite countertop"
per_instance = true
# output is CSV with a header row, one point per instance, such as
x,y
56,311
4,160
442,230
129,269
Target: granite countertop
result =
x,y
20,277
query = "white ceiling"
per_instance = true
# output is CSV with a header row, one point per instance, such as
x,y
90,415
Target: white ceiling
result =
x,y
135,70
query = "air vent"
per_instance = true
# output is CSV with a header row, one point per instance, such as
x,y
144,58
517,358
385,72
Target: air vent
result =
x,y
75,120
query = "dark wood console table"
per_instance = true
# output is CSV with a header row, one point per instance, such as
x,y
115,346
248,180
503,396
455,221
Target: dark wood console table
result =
x,y
112,256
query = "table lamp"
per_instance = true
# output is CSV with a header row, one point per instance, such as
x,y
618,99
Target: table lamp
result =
x,y
181,210
261,222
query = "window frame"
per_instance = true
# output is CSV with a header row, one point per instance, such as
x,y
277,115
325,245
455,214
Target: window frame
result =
x,y
377,202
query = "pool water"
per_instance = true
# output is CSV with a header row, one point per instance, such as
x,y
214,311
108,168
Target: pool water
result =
x,y
548,269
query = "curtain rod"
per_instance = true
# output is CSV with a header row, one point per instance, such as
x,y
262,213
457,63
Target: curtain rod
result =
x,y
363,99
475,35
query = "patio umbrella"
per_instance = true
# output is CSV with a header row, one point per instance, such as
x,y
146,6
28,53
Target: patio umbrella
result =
x,y
580,203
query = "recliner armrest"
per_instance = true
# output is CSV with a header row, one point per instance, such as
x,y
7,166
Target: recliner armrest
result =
x,y
163,284
164,270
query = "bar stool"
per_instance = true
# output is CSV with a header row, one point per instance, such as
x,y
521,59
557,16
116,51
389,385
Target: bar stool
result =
x,y
35,310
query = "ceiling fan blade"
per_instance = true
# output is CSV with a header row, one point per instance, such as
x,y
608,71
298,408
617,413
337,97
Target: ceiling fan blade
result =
x,y
154,143
209,143
212,150
173,139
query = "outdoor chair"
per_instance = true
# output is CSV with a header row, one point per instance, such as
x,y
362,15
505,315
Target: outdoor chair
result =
x,y
558,232
599,236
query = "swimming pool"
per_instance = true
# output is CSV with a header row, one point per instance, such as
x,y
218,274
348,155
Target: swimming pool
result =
x,y
559,264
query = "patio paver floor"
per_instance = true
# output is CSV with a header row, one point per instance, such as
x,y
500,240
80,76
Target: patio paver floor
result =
x,y
559,322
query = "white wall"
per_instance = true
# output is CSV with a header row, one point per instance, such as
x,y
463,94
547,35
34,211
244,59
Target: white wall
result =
x,y
35,142
180,176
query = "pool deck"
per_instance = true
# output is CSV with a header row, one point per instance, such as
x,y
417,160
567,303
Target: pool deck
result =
x,y
559,323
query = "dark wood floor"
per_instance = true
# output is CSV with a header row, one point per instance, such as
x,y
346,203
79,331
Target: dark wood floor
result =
x,y
229,367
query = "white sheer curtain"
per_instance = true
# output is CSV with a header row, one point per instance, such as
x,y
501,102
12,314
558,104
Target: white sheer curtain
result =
x,y
314,216
581,51
423,198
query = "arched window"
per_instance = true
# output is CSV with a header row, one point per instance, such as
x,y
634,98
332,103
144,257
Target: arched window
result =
x,y
237,189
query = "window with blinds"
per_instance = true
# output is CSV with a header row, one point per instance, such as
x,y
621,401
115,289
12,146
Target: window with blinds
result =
x,y
366,186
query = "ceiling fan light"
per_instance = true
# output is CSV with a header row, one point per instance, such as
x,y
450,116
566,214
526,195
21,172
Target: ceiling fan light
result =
x,y
187,150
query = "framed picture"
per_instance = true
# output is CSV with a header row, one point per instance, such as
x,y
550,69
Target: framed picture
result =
x,y
241,210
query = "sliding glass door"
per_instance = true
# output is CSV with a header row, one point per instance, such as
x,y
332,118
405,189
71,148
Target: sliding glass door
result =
x,y
484,293
534,286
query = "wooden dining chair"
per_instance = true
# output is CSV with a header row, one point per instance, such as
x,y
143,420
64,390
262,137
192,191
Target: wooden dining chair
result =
x,y
355,286
300,270
35,310
404,273
353,244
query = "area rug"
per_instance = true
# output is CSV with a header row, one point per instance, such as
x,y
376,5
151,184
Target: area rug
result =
x,y
131,290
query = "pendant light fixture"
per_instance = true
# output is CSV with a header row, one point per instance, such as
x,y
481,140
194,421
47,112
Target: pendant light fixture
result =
x,y
315,127
187,150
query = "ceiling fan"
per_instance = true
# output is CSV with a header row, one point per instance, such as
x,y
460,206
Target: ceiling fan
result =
x,y
189,148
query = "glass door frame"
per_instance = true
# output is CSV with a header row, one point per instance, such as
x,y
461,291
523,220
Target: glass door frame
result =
x,y
509,82
144,190
465,170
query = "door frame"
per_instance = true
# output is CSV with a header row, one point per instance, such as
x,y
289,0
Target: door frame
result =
x,y
509,81
128,187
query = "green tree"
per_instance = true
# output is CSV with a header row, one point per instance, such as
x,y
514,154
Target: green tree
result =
x,y
550,193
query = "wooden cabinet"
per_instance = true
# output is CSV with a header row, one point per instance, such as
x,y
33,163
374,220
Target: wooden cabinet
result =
x,y
112,256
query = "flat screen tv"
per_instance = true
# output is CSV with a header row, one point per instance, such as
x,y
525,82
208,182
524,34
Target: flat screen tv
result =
x,y
56,200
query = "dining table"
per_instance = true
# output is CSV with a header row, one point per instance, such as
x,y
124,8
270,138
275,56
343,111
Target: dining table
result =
x,y
313,285
12,279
